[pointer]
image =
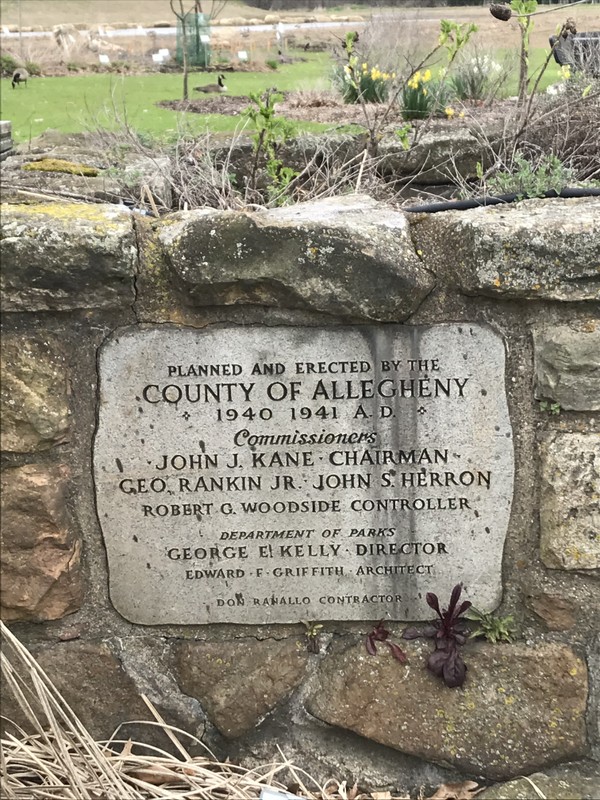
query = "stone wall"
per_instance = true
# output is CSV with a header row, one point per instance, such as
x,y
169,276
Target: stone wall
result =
x,y
72,274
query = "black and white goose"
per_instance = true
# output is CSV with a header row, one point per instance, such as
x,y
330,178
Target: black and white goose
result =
x,y
20,75
213,88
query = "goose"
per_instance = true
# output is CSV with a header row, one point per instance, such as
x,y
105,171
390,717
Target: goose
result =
x,y
284,59
19,76
213,88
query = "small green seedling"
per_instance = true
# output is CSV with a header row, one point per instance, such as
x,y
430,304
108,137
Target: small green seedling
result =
x,y
494,629
312,632
551,408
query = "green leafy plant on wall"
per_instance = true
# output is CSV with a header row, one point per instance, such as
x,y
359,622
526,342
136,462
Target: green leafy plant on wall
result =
x,y
529,177
312,633
553,409
489,626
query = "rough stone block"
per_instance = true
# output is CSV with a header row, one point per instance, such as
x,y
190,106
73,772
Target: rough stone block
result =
x,y
570,500
33,393
92,681
348,256
567,365
239,682
435,157
567,785
57,257
41,578
558,613
485,727
156,295
536,249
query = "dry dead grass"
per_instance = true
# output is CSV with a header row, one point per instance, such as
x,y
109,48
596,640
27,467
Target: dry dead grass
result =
x,y
61,761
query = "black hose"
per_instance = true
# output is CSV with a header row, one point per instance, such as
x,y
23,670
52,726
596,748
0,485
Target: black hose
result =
x,y
494,200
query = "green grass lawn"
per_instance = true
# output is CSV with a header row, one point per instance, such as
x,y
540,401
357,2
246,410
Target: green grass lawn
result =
x,y
86,102
537,59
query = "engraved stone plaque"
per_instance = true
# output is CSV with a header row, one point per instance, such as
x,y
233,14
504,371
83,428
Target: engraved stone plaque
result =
x,y
269,475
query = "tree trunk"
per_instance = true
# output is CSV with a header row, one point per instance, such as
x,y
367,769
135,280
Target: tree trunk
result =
x,y
523,70
524,60
185,65
184,48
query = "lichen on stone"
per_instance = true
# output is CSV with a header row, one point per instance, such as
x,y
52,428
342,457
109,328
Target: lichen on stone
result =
x,y
105,215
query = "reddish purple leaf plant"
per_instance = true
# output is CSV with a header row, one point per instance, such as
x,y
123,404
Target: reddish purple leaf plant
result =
x,y
448,632
381,634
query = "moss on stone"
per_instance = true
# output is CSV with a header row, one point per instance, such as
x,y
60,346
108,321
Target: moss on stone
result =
x,y
61,165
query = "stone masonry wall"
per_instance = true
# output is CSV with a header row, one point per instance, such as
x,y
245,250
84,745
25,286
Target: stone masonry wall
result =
x,y
74,273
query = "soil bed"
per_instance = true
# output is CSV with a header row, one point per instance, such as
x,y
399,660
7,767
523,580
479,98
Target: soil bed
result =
x,y
317,110
323,107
